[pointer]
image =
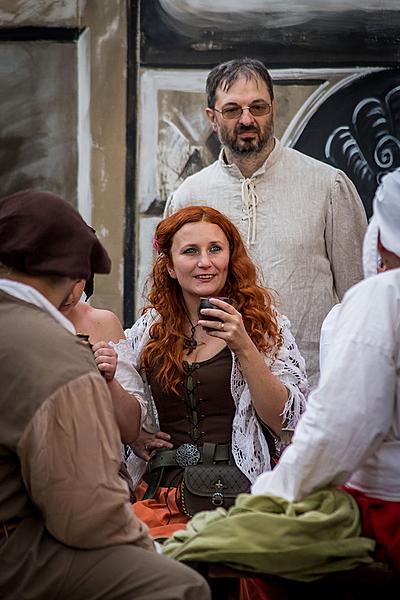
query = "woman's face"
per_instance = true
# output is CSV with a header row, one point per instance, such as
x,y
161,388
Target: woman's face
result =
x,y
200,259
72,300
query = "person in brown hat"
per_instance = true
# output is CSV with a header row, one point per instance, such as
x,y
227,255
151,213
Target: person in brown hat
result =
x,y
67,248
66,528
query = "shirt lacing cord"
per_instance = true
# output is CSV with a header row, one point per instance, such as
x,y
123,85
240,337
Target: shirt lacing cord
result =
x,y
249,205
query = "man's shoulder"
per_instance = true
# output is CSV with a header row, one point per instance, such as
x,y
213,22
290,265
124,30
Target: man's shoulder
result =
x,y
196,188
24,318
378,291
388,280
38,357
202,177
370,314
34,337
304,160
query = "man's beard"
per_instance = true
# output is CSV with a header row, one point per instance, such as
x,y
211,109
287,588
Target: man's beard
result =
x,y
246,147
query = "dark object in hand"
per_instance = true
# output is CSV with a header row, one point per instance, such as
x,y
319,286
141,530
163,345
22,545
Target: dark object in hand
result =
x,y
205,303
85,339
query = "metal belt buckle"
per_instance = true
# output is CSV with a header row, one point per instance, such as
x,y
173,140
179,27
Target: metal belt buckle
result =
x,y
187,454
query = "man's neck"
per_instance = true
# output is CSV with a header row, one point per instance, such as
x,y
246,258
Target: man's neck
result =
x,y
248,164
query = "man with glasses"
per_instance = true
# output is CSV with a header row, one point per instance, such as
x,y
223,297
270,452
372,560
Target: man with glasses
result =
x,y
303,220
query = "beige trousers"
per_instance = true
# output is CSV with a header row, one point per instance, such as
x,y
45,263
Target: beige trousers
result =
x,y
48,570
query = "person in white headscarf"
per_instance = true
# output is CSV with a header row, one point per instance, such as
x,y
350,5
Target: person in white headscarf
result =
x,y
372,264
350,433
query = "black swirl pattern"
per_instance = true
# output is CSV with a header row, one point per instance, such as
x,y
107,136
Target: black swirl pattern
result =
x,y
357,129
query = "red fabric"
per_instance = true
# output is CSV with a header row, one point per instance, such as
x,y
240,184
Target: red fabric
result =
x,y
380,520
256,589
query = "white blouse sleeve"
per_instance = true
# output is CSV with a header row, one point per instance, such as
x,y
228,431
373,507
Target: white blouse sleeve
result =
x,y
137,337
289,367
127,375
249,445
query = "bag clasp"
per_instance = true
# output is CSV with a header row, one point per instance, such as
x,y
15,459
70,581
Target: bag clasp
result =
x,y
217,498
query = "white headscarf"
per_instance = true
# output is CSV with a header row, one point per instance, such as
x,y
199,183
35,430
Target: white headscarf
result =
x,y
385,221
387,211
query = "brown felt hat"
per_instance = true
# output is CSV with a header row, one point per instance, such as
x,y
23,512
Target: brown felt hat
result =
x,y
42,234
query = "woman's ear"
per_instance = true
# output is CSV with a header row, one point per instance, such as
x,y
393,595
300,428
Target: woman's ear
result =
x,y
171,272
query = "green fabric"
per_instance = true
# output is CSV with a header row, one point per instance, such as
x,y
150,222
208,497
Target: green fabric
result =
x,y
296,540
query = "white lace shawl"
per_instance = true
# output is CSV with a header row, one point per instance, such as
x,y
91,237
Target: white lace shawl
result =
x,y
249,447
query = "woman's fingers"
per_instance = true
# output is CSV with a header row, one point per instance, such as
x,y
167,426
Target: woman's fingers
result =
x,y
106,359
159,444
147,443
163,436
102,344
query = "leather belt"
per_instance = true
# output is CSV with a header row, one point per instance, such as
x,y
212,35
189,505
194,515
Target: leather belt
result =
x,y
184,456
209,453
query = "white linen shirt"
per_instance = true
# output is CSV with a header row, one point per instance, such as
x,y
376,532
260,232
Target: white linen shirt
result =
x,y
304,224
351,429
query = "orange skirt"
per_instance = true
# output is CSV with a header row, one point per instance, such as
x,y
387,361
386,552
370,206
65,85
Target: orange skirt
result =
x,y
163,517
161,513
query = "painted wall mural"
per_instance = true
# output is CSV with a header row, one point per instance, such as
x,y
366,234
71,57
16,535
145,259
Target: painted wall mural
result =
x,y
336,78
307,33
357,129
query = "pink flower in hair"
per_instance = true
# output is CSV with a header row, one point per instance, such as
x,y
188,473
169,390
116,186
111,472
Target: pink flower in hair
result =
x,y
156,246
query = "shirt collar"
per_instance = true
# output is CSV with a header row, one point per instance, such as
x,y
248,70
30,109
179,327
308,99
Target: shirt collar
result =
x,y
269,162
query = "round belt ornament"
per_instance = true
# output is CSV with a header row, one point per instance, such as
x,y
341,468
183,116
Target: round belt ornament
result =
x,y
187,455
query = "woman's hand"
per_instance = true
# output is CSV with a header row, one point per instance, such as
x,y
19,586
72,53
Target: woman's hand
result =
x,y
268,394
230,328
147,442
106,359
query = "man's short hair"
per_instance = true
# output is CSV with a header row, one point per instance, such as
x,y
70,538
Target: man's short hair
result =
x,y
224,76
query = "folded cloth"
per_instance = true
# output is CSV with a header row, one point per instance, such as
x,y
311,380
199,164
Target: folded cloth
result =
x,y
302,541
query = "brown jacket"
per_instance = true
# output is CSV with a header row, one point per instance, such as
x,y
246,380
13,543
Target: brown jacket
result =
x,y
59,441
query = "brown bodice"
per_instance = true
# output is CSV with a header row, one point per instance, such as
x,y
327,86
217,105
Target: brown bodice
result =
x,y
203,411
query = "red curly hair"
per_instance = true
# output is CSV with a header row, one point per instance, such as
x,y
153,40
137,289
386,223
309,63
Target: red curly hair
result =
x,y
167,334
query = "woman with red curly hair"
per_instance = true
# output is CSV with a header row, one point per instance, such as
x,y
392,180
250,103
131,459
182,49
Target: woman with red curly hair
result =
x,y
228,382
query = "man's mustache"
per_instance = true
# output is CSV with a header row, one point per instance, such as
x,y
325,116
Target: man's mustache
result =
x,y
247,129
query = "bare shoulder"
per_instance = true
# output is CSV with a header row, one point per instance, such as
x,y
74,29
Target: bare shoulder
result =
x,y
103,325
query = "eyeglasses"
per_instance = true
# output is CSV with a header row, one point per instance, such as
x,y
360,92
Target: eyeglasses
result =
x,y
234,111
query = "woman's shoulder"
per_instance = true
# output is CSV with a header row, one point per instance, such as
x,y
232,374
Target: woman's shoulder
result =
x,y
102,324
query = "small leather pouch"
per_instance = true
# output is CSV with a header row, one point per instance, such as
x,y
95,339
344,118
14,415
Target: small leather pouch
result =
x,y
211,484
